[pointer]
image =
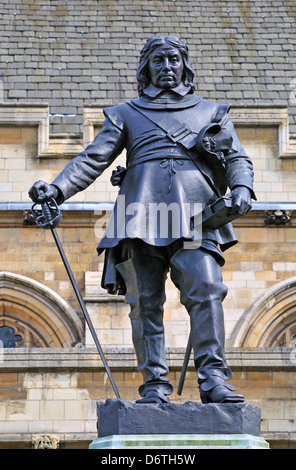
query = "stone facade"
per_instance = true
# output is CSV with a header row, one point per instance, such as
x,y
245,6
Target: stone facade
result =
x,y
55,392
63,61
68,53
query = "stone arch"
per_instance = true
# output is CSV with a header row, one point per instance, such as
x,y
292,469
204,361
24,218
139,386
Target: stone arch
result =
x,y
270,321
36,313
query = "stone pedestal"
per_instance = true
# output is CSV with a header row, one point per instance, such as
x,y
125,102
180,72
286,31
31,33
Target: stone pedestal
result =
x,y
124,424
180,441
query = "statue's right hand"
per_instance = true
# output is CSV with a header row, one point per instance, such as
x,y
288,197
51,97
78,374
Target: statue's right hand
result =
x,y
42,191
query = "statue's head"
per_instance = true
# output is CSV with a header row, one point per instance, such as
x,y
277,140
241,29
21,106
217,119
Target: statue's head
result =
x,y
176,52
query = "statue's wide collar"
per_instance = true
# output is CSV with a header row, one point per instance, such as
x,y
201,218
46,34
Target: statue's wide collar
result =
x,y
167,100
179,97
152,91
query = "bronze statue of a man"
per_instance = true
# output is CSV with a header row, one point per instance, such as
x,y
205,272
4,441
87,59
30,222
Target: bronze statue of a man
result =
x,y
181,150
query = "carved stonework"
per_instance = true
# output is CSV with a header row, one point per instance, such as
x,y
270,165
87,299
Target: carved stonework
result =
x,y
38,310
45,441
8,337
278,217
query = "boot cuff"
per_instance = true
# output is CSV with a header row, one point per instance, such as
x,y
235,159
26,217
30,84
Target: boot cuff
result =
x,y
212,382
205,373
161,388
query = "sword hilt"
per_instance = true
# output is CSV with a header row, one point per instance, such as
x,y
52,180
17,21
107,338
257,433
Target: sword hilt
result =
x,y
50,215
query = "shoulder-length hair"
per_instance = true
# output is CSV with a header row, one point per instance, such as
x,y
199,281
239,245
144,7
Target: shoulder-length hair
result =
x,y
143,74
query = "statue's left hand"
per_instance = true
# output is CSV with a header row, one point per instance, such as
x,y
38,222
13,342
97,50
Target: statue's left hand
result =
x,y
241,200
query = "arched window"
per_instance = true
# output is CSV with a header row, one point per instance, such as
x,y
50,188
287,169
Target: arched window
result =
x,y
270,321
32,315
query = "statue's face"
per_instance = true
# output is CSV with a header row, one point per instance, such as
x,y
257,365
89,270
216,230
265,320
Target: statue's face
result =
x,y
166,67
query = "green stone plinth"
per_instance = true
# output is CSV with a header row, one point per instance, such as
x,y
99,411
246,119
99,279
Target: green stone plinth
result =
x,y
180,441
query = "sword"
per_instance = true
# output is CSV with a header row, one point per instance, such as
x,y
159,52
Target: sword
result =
x,y
184,367
49,219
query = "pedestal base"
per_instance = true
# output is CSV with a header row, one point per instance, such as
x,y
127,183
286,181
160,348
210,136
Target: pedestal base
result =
x,y
180,441
124,424
122,417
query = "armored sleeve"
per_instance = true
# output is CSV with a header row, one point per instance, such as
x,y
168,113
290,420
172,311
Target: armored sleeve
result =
x,y
239,167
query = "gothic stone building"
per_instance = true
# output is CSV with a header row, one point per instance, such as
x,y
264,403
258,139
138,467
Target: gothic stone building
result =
x,y
62,61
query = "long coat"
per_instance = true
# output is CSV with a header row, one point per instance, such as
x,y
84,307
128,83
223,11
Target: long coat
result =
x,y
163,166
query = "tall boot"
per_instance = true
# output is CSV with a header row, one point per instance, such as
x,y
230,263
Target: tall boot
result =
x,y
145,278
198,276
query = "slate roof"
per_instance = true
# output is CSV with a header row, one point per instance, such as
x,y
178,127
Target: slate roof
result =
x,y
69,53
